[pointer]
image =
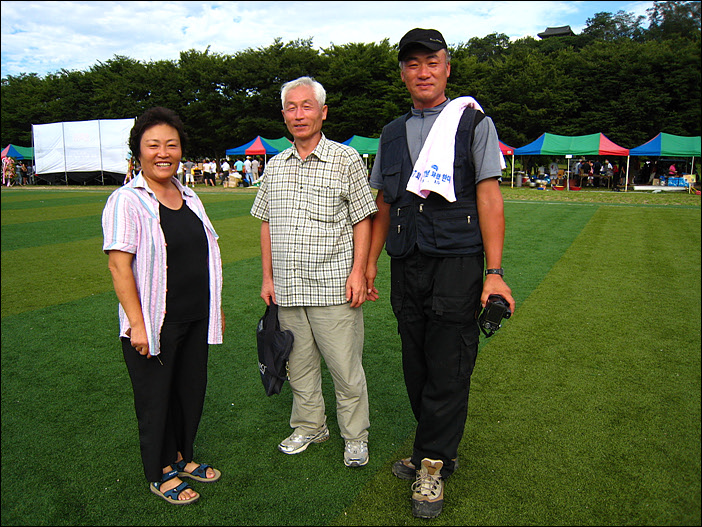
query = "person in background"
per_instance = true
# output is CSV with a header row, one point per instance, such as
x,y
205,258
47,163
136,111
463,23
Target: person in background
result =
x,y
248,178
22,179
8,171
225,171
315,206
439,242
167,273
206,172
254,170
239,166
189,176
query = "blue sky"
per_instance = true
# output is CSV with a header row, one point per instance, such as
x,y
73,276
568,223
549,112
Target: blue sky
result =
x,y
46,37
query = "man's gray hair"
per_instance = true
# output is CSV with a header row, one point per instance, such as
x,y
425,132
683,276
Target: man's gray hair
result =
x,y
320,93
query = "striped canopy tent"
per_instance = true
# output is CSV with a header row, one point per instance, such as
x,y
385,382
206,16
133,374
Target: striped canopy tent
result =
x,y
260,146
573,145
577,145
18,152
669,145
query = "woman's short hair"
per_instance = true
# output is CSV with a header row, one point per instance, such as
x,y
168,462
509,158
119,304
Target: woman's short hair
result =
x,y
319,92
151,118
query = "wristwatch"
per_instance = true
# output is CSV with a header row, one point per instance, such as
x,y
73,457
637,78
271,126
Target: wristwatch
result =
x,y
499,271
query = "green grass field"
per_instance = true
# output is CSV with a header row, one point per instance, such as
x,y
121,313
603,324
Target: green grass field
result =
x,y
584,408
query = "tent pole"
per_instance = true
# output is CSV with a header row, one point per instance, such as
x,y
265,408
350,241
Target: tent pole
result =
x,y
626,181
512,170
63,139
568,176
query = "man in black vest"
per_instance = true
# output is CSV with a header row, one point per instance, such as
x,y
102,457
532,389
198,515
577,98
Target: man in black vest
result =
x,y
438,247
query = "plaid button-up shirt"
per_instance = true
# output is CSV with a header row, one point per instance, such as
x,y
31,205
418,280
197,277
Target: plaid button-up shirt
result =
x,y
311,206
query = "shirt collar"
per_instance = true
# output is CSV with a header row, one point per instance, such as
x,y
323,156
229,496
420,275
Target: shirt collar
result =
x,y
430,111
141,182
321,151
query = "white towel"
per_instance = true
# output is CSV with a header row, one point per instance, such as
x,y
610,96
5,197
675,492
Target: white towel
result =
x,y
433,171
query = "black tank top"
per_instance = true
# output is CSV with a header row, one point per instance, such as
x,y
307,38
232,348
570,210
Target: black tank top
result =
x,y
187,282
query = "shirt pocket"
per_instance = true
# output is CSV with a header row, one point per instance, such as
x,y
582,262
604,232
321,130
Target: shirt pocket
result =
x,y
325,204
391,183
457,229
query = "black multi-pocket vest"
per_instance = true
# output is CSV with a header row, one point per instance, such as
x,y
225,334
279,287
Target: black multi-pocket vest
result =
x,y
434,225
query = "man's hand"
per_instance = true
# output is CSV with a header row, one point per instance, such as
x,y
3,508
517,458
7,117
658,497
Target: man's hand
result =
x,y
371,273
495,285
356,288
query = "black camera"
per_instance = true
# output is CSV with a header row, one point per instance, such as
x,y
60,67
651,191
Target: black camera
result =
x,y
495,310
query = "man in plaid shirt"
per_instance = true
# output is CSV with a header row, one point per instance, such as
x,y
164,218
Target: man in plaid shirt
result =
x,y
315,204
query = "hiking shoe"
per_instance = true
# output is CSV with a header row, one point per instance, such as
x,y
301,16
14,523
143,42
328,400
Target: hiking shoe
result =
x,y
428,490
405,469
356,453
296,443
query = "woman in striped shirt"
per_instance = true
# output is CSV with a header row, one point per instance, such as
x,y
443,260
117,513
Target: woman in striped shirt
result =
x,y
167,274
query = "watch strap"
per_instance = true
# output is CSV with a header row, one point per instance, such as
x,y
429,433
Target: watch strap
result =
x,y
499,271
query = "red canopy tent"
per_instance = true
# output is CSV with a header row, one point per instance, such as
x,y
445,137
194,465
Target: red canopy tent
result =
x,y
508,151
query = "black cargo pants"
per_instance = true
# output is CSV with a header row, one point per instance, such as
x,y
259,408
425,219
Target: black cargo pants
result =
x,y
435,300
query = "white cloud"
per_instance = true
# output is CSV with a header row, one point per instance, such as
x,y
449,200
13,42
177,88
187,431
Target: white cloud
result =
x,y
44,37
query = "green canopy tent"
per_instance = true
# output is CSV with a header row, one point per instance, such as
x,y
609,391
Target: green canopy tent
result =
x,y
366,146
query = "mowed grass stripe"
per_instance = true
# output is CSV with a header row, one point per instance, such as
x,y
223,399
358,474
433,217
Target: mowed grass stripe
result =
x,y
72,210
585,406
38,233
42,276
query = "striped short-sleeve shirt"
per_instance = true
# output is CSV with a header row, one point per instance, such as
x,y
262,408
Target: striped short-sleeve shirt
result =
x,y
311,206
131,223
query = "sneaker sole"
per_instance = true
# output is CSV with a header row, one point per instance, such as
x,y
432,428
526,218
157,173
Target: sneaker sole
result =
x,y
304,447
355,463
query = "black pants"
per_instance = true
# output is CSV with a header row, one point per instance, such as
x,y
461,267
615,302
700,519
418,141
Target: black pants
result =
x,y
169,398
435,302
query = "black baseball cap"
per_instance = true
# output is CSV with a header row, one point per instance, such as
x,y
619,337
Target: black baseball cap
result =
x,y
429,38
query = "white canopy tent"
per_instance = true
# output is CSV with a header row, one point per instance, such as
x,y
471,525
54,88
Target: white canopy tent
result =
x,y
82,146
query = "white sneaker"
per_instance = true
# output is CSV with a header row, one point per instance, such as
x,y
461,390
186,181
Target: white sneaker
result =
x,y
296,443
356,453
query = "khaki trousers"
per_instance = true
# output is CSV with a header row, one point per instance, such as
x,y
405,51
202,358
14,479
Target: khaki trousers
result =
x,y
335,333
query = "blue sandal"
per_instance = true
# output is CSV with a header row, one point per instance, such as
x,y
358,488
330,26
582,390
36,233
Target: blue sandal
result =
x,y
199,474
171,496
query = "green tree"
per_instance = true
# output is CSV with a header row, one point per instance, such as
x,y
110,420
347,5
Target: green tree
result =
x,y
674,20
607,27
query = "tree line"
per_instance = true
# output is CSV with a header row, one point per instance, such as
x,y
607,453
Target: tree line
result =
x,y
617,77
